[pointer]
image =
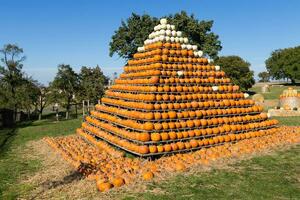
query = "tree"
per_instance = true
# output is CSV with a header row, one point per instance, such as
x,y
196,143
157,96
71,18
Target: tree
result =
x,y
27,94
64,87
285,63
134,31
264,77
92,83
11,75
43,99
238,70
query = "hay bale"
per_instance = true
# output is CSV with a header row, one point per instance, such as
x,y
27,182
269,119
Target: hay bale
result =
x,y
265,89
258,98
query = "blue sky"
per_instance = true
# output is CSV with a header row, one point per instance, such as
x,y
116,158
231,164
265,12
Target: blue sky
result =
x,y
78,32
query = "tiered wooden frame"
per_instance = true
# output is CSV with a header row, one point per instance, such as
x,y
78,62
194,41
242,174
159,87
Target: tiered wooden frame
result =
x,y
194,95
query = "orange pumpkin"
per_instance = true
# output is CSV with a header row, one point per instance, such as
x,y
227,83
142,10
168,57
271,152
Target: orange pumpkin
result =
x,y
118,182
155,137
143,149
144,137
164,136
167,148
148,176
152,149
103,186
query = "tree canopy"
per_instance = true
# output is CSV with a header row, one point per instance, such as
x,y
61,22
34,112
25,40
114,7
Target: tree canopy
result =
x,y
264,76
238,70
11,75
134,31
65,86
285,63
92,83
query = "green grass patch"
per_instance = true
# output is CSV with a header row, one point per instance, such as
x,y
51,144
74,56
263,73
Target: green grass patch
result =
x,y
275,91
267,177
289,121
12,144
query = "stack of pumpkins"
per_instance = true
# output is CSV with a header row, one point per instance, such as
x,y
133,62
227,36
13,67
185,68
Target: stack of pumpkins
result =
x,y
171,99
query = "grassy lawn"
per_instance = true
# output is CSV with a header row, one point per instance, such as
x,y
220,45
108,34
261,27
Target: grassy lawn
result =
x,y
289,121
275,91
271,175
267,177
12,141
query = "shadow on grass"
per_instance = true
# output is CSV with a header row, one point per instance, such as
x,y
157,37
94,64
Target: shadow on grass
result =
x,y
6,139
8,134
74,176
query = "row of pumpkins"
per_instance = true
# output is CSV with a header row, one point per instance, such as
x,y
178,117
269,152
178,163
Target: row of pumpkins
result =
x,y
174,74
220,103
172,114
173,97
181,88
177,51
175,125
163,133
174,146
172,80
171,66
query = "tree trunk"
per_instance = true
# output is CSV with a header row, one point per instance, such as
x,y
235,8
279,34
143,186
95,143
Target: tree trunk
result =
x,y
67,114
41,111
76,110
293,81
28,114
83,108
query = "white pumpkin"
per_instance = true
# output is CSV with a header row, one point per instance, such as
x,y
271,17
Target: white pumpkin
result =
x,y
183,46
164,26
185,40
172,39
168,26
194,47
172,27
162,32
161,38
168,32
163,21
167,38
215,88
181,39
174,33
200,53
179,73
217,67
189,47
246,95
179,33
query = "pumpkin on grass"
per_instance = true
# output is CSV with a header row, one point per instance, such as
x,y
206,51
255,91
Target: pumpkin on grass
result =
x,y
104,186
118,182
148,176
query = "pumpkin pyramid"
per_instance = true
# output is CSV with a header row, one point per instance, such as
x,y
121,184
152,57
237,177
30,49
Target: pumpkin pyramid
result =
x,y
171,99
